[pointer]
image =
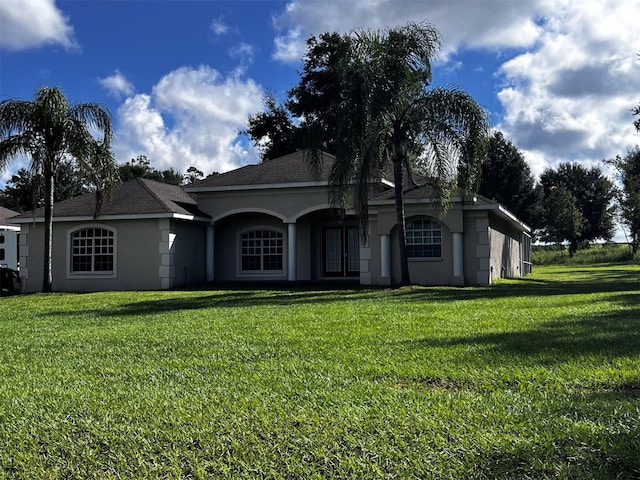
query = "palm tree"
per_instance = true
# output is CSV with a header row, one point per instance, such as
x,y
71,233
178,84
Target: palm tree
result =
x,y
384,115
50,130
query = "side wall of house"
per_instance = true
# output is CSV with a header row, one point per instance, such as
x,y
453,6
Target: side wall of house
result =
x,y
505,249
145,256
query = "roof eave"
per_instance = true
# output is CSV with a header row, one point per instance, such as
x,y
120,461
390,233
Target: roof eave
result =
x,y
139,216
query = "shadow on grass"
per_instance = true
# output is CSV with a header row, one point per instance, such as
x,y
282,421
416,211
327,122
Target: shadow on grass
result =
x,y
614,334
239,295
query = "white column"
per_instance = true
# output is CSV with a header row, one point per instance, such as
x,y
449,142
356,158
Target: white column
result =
x,y
458,255
209,253
291,247
385,256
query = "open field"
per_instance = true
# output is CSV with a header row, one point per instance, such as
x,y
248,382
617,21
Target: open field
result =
x,y
534,378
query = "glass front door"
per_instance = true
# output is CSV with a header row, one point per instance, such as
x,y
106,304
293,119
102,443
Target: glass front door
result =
x,y
341,252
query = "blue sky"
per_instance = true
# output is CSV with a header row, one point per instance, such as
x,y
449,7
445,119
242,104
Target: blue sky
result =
x,y
559,77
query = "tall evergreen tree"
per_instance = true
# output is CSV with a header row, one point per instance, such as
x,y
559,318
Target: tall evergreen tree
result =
x,y
506,178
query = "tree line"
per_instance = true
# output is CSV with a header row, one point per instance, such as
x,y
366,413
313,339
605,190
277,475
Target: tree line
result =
x,y
24,191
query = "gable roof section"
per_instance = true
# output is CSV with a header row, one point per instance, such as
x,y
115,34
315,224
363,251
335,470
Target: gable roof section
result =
x,y
6,213
291,170
134,199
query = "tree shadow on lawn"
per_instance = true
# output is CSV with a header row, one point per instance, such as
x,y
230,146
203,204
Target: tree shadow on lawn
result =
x,y
613,334
238,295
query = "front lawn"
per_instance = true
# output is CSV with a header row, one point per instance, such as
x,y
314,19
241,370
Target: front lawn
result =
x,y
534,378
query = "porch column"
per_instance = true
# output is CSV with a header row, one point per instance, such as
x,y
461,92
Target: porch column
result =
x,y
385,259
458,258
209,253
291,249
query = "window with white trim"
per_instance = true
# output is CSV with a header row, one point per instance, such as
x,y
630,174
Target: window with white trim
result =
x,y
262,250
92,250
423,238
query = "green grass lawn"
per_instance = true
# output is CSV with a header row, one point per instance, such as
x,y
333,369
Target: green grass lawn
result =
x,y
534,378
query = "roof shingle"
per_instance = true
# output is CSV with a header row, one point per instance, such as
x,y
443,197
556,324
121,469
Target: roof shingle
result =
x,y
136,197
292,168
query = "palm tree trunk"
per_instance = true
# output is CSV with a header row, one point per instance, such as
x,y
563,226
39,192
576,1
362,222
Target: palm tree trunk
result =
x,y
47,280
405,278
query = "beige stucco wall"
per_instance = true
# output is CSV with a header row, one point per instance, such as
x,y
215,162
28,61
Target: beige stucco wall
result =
x,y
288,204
226,255
140,246
422,271
477,248
309,256
505,249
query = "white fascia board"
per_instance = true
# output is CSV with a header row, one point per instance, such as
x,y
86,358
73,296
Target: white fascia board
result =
x,y
263,186
177,216
502,212
392,201
9,228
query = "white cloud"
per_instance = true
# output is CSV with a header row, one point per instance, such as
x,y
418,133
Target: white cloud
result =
x,y
570,68
569,98
191,118
28,24
462,23
289,48
218,26
117,85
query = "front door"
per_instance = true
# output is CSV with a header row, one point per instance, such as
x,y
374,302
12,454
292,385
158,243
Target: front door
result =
x,y
341,252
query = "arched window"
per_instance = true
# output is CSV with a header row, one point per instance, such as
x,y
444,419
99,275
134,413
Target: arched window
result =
x,y
424,238
92,250
262,250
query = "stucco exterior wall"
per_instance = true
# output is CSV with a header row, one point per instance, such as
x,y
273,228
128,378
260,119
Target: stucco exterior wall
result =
x,y
283,203
226,247
189,253
505,249
140,247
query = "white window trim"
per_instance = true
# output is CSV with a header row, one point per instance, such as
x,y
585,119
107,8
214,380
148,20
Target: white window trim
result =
x,y
427,259
261,273
91,275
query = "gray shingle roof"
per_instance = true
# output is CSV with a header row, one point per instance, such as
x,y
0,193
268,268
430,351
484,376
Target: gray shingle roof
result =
x,y
137,197
292,168
6,213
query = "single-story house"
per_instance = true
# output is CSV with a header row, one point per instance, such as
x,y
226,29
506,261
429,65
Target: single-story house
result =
x,y
8,239
267,222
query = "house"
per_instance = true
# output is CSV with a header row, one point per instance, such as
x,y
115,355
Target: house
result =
x,y
268,222
148,236
8,239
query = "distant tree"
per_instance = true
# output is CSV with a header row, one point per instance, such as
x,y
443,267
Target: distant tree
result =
x,y
593,194
192,175
25,191
628,196
273,131
563,219
506,178
49,130
140,167
636,111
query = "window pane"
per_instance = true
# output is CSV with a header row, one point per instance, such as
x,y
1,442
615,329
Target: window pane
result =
x,y
424,238
92,250
261,250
